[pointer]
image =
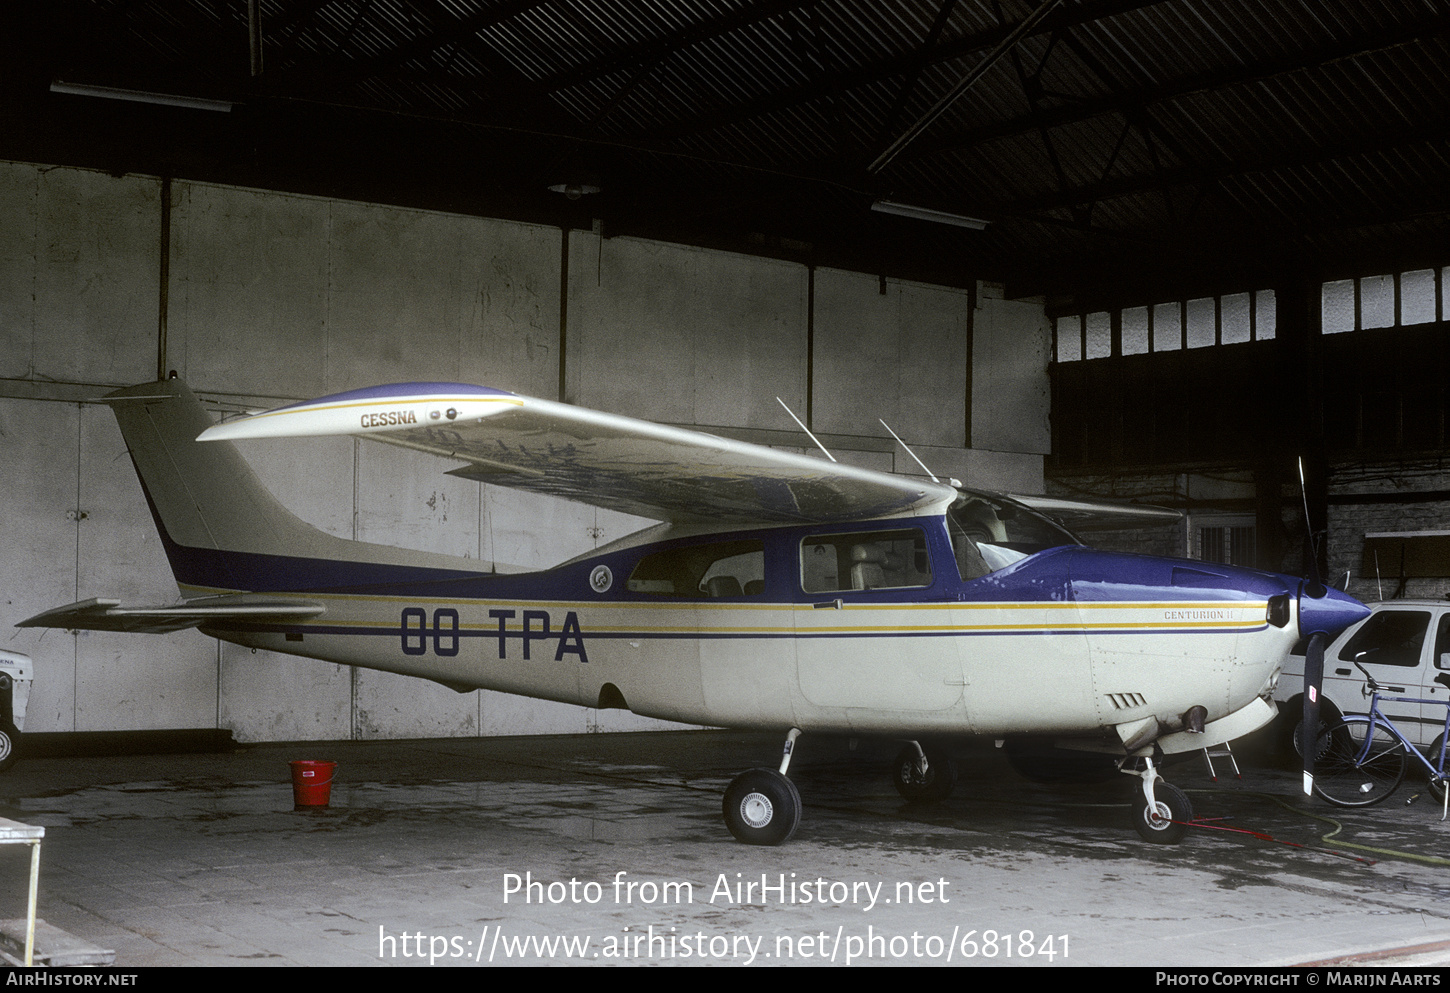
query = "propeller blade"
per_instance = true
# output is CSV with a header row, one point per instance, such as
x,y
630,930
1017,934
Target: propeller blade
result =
x,y
1313,681
1313,585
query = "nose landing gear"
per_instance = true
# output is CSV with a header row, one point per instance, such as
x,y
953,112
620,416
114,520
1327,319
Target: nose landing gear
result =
x,y
1161,811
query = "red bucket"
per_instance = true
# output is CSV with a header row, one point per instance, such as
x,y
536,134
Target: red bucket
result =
x,y
312,783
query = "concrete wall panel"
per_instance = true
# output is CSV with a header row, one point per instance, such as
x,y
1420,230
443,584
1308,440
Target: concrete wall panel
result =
x,y
1011,394
505,713
267,696
38,459
898,356
312,477
127,681
19,183
79,291
406,499
391,706
418,296
248,291
525,531
684,335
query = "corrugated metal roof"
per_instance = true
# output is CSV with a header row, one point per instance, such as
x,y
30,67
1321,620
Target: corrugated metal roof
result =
x,y
1120,142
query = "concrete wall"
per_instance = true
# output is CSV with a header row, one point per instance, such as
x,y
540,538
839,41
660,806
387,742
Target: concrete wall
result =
x,y
270,297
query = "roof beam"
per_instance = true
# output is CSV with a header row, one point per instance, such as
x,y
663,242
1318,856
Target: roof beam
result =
x,y
898,65
1144,98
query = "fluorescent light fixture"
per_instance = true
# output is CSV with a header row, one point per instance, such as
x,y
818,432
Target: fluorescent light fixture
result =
x,y
927,214
140,96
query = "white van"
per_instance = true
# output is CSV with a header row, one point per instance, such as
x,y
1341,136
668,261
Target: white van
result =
x,y
16,674
1405,645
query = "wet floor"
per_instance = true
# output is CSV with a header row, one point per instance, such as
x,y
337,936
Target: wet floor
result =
x,y
611,849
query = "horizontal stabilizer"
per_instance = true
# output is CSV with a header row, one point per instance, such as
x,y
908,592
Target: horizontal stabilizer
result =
x,y
98,614
1100,515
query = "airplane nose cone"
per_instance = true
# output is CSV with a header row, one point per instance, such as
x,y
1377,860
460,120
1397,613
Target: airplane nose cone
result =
x,y
1331,613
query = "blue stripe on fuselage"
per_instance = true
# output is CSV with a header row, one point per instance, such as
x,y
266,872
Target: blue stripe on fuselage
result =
x,y
1058,575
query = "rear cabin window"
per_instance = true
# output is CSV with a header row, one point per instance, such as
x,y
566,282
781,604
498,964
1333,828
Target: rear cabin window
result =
x,y
869,560
718,569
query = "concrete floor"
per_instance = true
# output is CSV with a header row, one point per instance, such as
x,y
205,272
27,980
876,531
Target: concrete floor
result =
x,y
201,860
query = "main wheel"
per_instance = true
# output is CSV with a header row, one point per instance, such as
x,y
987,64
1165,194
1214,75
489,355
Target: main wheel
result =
x,y
762,807
937,784
1348,774
1328,715
1167,822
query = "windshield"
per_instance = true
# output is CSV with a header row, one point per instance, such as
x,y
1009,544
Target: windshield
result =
x,y
990,533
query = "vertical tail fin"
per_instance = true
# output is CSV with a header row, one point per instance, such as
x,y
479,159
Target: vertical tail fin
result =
x,y
222,529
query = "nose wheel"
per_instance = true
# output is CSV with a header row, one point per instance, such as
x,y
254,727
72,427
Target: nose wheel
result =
x,y
1161,811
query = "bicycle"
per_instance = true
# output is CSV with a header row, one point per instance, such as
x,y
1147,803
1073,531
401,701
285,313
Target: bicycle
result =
x,y
1359,760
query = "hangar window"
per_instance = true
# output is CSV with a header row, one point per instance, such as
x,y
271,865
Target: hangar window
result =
x,y
865,560
1385,301
717,569
1229,539
1169,326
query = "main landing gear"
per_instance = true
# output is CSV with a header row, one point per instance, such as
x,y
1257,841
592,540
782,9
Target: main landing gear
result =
x,y
923,773
763,807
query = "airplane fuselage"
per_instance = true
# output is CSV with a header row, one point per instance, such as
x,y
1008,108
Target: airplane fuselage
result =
x,y
781,592
1062,641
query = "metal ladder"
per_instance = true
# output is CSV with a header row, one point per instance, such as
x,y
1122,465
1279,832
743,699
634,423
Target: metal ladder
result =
x,y
1220,752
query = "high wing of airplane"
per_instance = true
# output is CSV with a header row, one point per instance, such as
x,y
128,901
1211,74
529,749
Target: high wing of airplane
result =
x,y
780,591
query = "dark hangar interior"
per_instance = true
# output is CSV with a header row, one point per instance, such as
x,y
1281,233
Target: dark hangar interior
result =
x,y
1229,172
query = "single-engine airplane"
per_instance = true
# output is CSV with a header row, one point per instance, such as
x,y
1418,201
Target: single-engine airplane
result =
x,y
781,591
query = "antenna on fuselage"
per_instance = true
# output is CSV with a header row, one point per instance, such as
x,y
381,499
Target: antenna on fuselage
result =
x,y
909,451
805,429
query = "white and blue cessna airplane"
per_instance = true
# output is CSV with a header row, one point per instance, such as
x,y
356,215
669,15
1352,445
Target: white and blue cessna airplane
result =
x,y
781,592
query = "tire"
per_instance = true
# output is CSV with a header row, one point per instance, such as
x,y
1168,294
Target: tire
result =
x,y
1167,823
9,745
1342,778
1437,785
762,807
937,784
1328,714
1038,760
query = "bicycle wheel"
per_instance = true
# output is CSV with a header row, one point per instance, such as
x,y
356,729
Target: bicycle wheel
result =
x,y
1346,779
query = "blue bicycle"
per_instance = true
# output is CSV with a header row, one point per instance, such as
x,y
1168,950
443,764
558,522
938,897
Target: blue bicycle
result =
x,y
1360,759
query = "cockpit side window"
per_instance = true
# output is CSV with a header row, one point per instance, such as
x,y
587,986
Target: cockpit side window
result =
x,y
988,534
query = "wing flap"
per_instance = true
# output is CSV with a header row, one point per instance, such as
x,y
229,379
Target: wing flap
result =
x,y
604,460
101,614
